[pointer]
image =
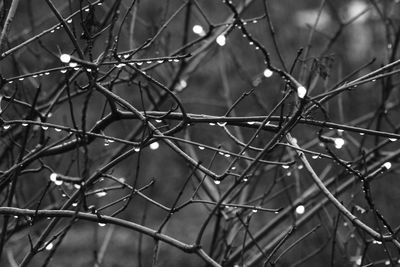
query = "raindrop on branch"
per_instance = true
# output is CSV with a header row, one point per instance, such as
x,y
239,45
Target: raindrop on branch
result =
x,y
221,40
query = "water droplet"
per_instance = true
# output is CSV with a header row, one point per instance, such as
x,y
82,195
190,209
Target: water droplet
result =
x,y
251,43
300,167
387,262
285,166
227,155
77,186
73,64
24,124
221,153
149,61
101,194
314,156
160,61
101,224
7,126
211,124
34,76
53,177
198,29
45,127
65,58
137,149
300,209
221,123
63,71
125,56
301,92
69,21
362,134
339,142
87,9
74,204
139,63
47,73
21,79
255,21
154,145
234,168
217,182
58,182
221,40
57,129
121,65
181,85
393,139
267,73
387,165
52,31
340,130
254,210
201,147
251,122
377,242
49,246
176,60
158,121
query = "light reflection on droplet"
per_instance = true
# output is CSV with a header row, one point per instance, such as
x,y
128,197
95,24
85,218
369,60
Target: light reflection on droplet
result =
x,y
49,246
154,145
101,194
301,92
339,143
221,40
268,73
53,177
300,209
